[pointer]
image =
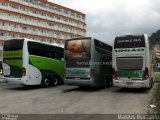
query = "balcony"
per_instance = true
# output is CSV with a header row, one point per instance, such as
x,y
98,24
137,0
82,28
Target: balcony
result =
x,y
47,8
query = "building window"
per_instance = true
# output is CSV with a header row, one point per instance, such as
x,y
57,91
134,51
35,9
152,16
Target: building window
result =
x,y
24,28
1,34
3,24
4,3
15,26
64,11
73,14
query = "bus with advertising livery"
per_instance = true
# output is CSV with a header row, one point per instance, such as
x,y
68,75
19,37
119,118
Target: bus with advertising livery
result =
x,y
133,62
87,62
27,62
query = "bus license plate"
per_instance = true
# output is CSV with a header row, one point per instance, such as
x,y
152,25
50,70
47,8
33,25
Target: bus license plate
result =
x,y
129,83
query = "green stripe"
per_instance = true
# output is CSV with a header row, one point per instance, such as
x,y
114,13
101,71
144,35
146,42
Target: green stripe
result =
x,y
130,73
47,65
15,71
12,54
14,60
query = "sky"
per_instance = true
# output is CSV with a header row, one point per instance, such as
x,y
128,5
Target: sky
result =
x,y
107,19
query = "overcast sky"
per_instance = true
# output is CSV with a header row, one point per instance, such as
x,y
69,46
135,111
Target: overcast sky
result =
x,y
108,18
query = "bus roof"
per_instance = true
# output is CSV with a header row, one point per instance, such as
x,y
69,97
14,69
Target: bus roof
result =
x,y
56,45
81,38
78,38
130,35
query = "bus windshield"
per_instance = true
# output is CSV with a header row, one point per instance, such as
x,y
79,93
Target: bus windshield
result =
x,y
12,45
13,57
78,53
129,42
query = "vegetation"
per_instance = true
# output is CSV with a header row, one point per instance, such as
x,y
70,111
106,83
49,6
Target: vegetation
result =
x,y
155,38
157,99
157,94
158,77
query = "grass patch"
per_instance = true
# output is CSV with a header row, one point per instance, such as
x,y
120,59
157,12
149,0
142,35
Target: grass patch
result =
x,y
157,94
157,76
157,98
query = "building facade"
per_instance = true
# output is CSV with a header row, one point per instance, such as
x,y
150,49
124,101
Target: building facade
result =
x,y
157,50
40,20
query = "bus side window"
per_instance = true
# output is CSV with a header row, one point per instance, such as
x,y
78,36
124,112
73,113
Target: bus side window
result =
x,y
58,55
45,50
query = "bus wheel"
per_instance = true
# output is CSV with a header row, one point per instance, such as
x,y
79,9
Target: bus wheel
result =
x,y
150,84
111,81
106,82
55,80
46,82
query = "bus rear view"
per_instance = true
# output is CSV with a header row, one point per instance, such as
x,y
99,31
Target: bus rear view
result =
x,y
132,62
77,58
13,65
88,62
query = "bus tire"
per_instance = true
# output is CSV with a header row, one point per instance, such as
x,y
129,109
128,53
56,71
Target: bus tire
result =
x,y
46,82
107,81
111,81
55,81
150,84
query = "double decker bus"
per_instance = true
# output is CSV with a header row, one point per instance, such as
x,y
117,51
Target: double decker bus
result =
x,y
28,62
133,62
87,62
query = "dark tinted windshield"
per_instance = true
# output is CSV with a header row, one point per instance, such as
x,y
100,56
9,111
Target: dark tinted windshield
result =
x,y
129,42
14,44
77,51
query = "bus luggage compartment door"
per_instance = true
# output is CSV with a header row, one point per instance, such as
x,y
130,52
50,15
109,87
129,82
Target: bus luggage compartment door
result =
x,y
77,73
35,76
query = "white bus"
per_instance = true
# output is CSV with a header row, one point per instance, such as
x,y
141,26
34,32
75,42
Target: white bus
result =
x,y
133,62
27,62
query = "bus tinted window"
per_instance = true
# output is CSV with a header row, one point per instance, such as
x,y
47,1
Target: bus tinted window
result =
x,y
77,51
45,50
13,44
129,42
129,63
103,48
101,45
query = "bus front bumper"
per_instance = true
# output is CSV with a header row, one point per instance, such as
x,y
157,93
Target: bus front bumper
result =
x,y
131,84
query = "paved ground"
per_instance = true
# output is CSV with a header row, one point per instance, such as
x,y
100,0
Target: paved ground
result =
x,y
69,99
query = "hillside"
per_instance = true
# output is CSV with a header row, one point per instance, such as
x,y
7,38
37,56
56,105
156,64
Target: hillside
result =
x,y
155,38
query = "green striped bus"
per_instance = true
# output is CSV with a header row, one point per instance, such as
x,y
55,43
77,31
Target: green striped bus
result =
x,y
27,62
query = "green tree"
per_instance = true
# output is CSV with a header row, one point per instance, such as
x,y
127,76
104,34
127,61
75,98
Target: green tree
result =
x,y
155,38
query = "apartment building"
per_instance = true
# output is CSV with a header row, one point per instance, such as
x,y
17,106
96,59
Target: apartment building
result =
x,y
40,20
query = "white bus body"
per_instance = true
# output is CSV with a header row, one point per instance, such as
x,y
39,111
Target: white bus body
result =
x,y
27,62
133,62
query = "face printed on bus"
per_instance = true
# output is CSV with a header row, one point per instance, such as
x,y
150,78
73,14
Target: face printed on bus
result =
x,y
74,46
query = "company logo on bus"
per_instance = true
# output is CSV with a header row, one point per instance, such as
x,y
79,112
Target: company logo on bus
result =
x,y
130,50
